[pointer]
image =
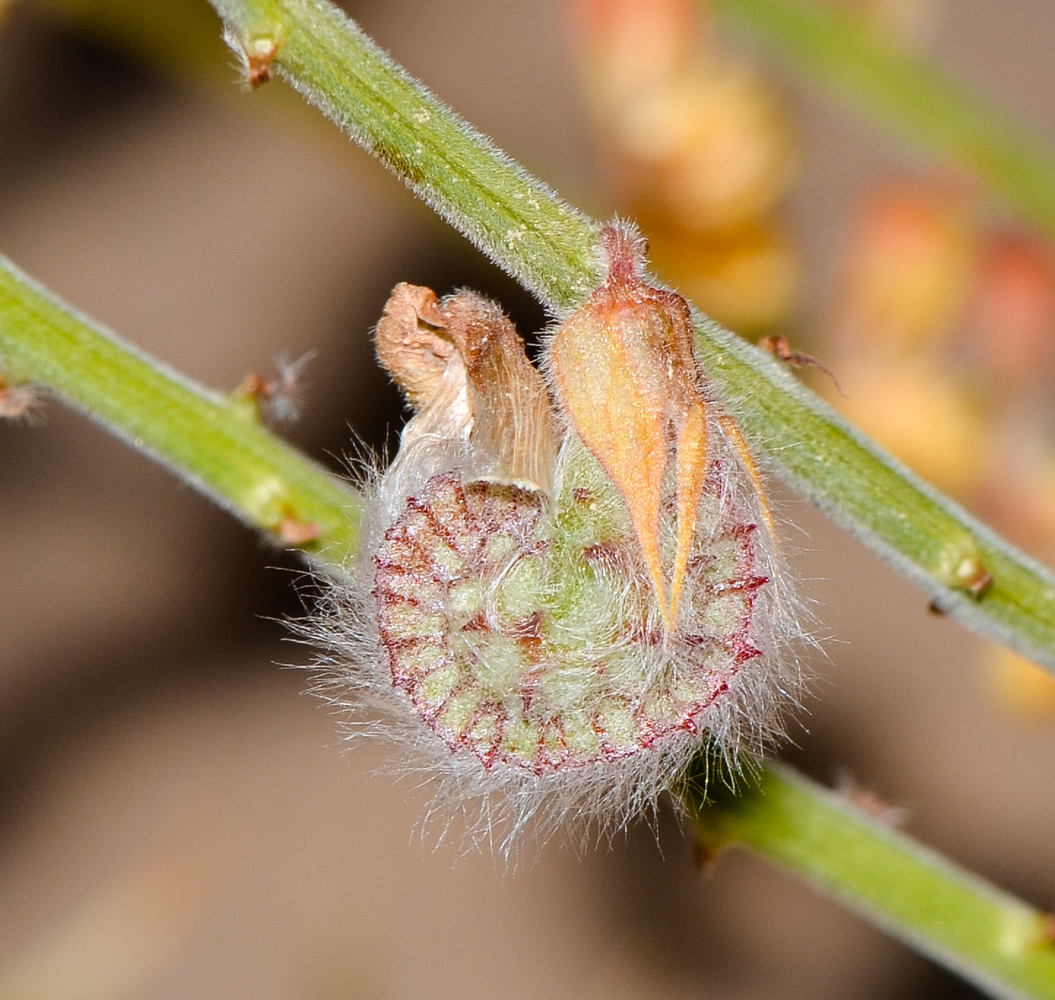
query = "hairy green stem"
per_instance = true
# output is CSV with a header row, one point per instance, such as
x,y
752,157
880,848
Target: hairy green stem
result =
x,y
989,937
214,442
481,192
839,51
924,534
528,231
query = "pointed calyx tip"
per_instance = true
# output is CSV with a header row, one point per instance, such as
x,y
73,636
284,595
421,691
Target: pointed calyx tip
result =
x,y
623,250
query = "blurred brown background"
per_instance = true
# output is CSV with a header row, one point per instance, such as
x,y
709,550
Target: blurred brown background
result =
x,y
177,819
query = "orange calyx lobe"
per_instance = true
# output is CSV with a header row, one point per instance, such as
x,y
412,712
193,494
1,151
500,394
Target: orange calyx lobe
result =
x,y
625,372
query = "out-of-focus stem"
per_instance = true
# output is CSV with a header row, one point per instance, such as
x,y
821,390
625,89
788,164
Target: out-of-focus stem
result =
x,y
908,95
481,192
177,35
212,441
991,938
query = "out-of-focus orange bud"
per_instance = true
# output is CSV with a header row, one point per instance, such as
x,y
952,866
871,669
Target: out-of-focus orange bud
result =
x,y
908,264
710,152
697,146
921,414
1017,495
910,22
748,280
1021,688
630,47
1012,322
695,138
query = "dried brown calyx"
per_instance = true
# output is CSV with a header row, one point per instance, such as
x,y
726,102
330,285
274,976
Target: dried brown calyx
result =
x,y
462,365
625,373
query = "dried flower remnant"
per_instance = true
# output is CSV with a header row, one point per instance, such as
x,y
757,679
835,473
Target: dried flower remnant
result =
x,y
463,367
281,398
21,403
507,620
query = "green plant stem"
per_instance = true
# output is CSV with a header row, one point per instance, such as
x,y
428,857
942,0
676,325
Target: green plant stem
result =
x,y
533,235
214,442
839,51
987,936
481,192
177,35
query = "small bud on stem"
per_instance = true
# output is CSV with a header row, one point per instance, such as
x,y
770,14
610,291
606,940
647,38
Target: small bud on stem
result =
x,y
22,402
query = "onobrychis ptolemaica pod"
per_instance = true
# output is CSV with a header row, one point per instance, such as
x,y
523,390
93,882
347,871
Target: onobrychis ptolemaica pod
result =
x,y
570,582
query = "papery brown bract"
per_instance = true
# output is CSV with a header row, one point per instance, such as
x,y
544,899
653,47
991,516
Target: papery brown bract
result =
x,y
463,367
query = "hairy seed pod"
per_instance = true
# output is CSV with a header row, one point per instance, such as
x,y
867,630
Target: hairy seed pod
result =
x,y
510,618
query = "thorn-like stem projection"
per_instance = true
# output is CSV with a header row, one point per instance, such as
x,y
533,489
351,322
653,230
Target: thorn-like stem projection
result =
x,y
22,403
211,441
